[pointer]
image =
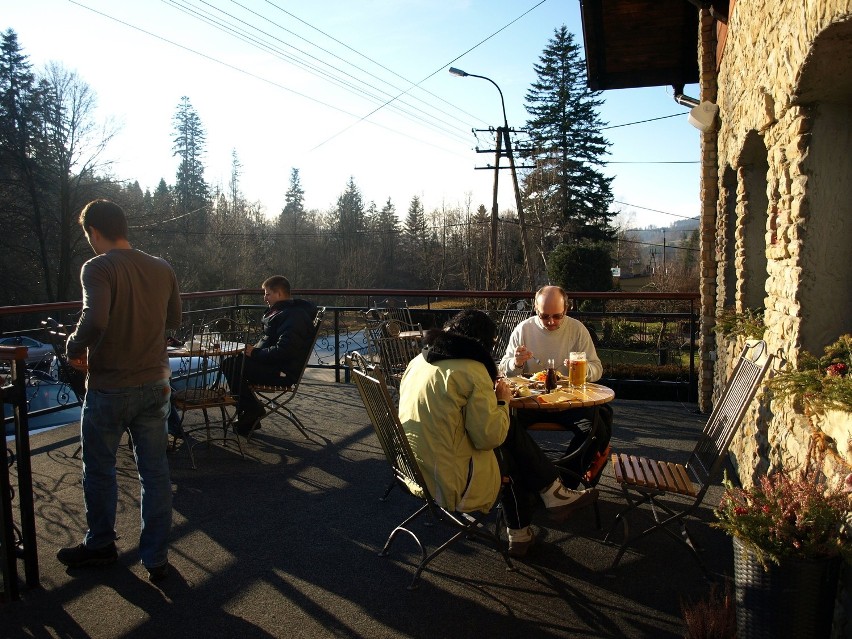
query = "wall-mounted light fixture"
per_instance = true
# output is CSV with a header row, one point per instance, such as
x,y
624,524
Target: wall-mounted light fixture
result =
x,y
702,115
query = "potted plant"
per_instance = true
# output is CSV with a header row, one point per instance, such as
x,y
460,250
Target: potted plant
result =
x,y
790,533
748,324
821,383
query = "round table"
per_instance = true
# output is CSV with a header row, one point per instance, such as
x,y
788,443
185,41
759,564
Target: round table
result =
x,y
563,398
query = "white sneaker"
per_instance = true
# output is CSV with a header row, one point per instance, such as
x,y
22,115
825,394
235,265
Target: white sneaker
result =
x,y
564,501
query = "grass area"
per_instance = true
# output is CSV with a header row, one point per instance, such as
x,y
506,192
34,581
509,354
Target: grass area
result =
x,y
649,358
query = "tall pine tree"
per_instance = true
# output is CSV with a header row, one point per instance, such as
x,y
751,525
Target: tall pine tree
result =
x,y
567,189
191,191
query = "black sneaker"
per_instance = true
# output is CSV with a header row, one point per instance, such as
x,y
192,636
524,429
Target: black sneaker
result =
x,y
249,421
158,573
82,556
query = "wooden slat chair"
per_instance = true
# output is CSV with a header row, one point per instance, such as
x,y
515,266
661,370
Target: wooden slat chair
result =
x,y
512,316
644,480
200,385
275,398
385,420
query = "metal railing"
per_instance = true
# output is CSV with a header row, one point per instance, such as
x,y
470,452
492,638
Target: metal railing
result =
x,y
649,333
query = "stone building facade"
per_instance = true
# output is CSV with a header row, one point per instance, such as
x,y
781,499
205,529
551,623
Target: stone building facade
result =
x,y
776,193
777,207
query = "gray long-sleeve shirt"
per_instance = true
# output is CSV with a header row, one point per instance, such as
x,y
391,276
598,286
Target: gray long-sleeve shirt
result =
x,y
130,299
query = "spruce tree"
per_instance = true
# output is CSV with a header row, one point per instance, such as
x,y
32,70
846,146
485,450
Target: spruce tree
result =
x,y
191,190
566,188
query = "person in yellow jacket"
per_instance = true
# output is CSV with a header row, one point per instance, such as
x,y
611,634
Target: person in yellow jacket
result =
x,y
455,412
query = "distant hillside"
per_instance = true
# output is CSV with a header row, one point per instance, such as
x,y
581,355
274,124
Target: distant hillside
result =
x,y
644,250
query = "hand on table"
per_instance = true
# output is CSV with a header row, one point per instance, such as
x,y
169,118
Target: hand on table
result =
x,y
502,390
249,349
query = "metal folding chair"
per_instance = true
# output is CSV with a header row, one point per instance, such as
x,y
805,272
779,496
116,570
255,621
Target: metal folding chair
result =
x,y
396,344
200,383
275,398
645,480
512,316
385,420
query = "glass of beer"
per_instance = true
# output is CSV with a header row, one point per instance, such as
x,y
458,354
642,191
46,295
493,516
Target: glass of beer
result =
x,y
577,369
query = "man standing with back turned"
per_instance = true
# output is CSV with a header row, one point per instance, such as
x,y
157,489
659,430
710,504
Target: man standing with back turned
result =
x,y
130,299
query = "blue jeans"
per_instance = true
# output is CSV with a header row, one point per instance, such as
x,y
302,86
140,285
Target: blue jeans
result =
x,y
143,411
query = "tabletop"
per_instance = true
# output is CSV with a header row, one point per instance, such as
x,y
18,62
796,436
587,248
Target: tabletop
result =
x,y
223,348
563,398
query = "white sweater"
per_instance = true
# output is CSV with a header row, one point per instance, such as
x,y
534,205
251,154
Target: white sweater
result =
x,y
544,344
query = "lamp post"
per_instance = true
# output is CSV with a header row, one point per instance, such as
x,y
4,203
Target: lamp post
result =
x,y
502,136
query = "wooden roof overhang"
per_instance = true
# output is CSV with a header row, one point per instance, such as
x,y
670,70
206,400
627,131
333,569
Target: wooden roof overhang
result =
x,y
642,43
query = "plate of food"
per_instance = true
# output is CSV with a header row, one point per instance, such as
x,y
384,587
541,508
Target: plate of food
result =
x,y
541,376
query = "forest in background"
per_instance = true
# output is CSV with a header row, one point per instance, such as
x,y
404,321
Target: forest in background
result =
x,y
52,162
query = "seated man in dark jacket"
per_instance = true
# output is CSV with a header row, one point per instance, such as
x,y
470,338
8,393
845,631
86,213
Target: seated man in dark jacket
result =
x,y
277,357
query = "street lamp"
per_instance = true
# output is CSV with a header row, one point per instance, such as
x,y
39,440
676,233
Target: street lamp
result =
x,y
465,74
502,135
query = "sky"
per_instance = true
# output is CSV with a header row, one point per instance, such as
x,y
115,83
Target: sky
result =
x,y
341,89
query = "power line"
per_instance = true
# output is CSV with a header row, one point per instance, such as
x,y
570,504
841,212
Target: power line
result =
x,y
249,73
662,117
645,208
258,41
458,57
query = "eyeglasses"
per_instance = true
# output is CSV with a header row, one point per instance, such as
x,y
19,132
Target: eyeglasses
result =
x,y
547,318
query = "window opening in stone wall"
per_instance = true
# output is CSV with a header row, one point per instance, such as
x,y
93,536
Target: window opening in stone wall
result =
x,y
754,221
726,234
826,284
825,213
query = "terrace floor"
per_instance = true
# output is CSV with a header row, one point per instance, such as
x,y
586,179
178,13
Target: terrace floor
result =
x,y
284,543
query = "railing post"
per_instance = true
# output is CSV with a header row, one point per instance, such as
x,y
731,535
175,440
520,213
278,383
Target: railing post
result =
x,y
336,346
15,394
692,380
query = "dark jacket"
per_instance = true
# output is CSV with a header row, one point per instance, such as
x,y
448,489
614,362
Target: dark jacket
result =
x,y
287,336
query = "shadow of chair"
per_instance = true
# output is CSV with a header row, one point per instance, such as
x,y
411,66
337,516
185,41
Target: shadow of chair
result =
x,y
394,442
275,398
201,385
643,480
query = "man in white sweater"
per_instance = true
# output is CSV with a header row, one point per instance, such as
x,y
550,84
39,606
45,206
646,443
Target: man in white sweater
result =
x,y
551,334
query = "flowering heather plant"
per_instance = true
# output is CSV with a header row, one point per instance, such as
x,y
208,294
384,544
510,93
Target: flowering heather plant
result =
x,y
787,517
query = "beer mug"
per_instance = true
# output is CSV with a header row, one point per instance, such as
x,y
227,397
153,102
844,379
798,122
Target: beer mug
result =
x,y
577,367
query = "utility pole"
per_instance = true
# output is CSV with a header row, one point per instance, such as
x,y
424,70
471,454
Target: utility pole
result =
x,y
491,267
519,205
502,135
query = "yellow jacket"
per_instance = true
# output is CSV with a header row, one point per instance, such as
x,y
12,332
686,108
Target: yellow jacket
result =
x,y
453,421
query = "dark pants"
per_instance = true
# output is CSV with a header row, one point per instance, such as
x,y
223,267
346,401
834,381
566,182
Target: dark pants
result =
x,y
583,423
529,471
241,372
573,419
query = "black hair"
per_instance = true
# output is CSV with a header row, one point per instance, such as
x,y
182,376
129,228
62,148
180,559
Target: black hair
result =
x,y
474,324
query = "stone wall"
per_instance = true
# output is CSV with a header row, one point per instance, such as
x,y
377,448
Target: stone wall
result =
x,y
760,74
784,89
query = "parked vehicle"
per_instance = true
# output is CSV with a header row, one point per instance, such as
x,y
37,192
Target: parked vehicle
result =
x,y
37,352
